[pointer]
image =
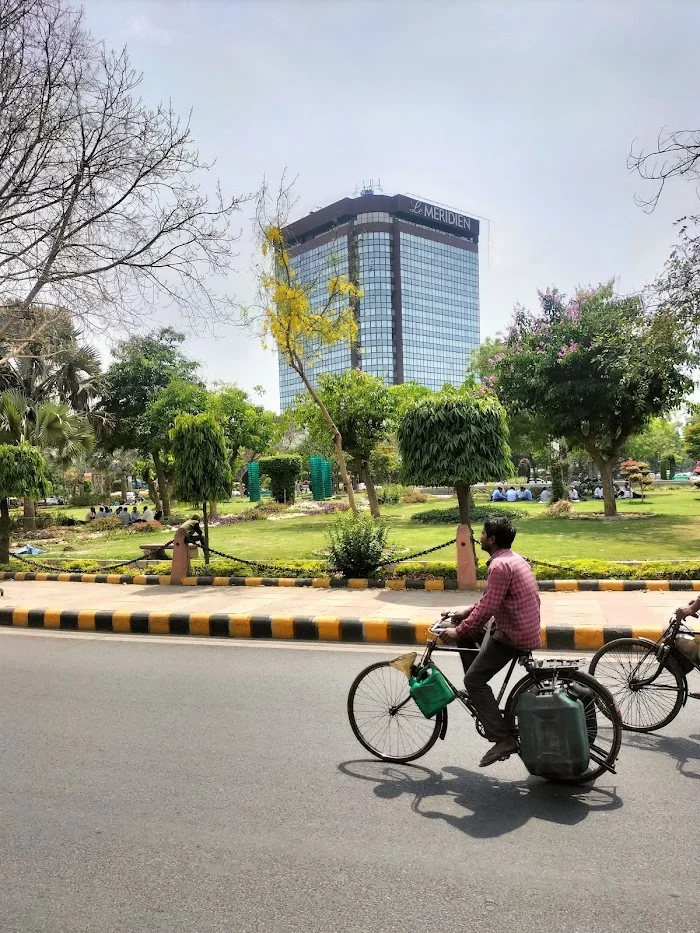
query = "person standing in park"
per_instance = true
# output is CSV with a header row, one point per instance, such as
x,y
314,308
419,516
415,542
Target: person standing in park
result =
x,y
512,600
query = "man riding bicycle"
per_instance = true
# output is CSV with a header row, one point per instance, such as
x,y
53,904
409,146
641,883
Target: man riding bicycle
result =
x,y
512,599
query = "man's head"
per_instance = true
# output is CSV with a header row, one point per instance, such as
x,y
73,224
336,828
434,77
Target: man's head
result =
x,y
497,533
511,487
522,489
195,518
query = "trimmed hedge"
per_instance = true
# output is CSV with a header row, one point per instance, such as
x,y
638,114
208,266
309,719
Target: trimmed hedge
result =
x,y
479,514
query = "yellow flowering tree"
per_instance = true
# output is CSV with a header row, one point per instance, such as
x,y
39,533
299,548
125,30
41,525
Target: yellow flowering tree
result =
x,y
302,319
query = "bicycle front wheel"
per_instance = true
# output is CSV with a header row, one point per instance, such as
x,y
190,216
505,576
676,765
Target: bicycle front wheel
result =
x,y
648,694
385,718
604,734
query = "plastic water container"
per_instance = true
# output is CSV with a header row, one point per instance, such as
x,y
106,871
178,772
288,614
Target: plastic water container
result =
x,y
553,734
430,690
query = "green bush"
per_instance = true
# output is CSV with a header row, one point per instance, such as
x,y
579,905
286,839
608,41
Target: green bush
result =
x,y
356,545
560,479
479,514
389,495
65,521
283,470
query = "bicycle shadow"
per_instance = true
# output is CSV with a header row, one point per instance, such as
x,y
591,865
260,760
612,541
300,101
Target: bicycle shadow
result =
x,y
490,807
683,750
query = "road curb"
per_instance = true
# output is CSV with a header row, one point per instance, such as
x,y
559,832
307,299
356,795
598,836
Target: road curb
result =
x,y
367,630
545,586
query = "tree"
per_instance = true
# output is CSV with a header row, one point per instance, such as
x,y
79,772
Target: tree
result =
x,y
101,204
143,367
691,438
362,408
22,474
284,471
659,440
202,471
50,426
249,428
594,369
304,317
636,471
456,438
385,462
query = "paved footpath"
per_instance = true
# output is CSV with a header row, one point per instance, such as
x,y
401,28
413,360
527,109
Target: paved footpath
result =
x,y
635,609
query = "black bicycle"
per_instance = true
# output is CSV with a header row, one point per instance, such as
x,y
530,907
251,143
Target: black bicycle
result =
x,y
387,722
649,679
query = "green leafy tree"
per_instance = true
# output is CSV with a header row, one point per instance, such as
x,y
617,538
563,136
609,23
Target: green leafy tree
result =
x,y
284,470
385,462
594,369
362,408
142,368
61,434
456,438
659,440
202,463
691,440
22,475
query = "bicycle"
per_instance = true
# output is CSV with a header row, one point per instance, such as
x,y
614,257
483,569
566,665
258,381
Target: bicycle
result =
x,y
387,722
648,679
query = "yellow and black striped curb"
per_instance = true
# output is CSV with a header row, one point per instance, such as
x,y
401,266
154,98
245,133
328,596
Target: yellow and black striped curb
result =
x,y
545,586
298,628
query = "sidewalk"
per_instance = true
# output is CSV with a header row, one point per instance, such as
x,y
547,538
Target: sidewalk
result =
x,y
635,610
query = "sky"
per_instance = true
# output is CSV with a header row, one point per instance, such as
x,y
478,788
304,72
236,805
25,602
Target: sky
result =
x,y
521,113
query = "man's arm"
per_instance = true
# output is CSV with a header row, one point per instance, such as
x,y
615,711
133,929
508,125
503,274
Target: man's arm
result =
x,y
484,609
690,610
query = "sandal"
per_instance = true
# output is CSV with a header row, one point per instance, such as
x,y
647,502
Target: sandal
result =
x,y
499,752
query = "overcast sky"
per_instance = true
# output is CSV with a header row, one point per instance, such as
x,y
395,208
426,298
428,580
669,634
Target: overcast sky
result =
x,y
520,112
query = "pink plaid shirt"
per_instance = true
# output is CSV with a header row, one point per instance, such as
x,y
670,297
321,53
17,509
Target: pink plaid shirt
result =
x,y
511,598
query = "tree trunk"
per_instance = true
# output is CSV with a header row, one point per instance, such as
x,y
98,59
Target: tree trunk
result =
x,y
122,483
371,491
206,532
153,490
466,554
29,522
606,468
162,484
213,510
4,531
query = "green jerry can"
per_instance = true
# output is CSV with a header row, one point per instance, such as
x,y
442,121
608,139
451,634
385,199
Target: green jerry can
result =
x,y
553,733
430,690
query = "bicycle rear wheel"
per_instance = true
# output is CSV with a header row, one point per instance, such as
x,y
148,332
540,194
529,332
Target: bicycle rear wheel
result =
x,y
604,734
622,666
384,717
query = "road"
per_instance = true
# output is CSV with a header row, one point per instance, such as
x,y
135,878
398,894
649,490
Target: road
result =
x,y
165,785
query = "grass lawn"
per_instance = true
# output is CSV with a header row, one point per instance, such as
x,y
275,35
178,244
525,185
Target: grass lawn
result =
x,y
673,531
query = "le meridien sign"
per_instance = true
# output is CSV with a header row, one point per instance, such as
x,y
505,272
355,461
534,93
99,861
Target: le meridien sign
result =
x,y
441,215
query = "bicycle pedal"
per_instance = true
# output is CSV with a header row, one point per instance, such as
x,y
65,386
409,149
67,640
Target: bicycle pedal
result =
x,y
694,696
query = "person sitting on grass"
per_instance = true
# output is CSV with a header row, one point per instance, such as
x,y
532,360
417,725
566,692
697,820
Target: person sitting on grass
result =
x,y
598,492
124,516
545,496
512,600
147,514
573,495
91,515
525,494
512,495
498,495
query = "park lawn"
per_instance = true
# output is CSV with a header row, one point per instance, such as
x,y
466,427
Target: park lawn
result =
x,y
672,532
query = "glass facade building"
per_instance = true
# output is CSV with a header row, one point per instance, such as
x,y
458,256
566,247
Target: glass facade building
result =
x,y
418,266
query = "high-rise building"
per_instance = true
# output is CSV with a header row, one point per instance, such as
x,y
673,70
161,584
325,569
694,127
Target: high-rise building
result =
x,y
418,266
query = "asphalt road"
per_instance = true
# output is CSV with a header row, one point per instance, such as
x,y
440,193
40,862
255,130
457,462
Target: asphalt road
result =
x,y
158,785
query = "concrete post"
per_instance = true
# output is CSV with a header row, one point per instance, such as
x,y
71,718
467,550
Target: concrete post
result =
x,y
466,566
182,554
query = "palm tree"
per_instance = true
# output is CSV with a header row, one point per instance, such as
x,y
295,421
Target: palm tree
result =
x,y
57,431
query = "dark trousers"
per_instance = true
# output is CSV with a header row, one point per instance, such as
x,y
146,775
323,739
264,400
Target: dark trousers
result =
x,y
479,667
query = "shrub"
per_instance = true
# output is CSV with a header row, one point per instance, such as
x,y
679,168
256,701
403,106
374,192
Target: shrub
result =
x,y
355,545
144,528
283,470
560,479
479,513
65,521
412,495
269,508
560,509
389,495
110,523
